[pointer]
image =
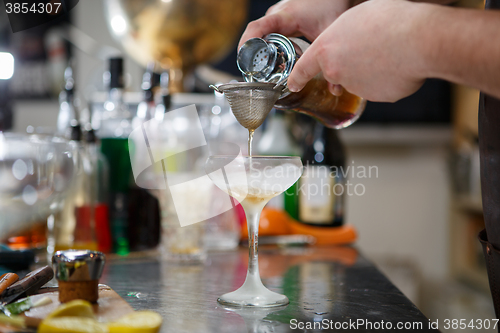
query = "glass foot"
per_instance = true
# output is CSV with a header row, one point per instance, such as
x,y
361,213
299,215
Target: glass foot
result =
x,y
253,294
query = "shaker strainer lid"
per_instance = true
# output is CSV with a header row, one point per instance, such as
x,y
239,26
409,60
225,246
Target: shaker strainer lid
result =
x,y
250,102
268,59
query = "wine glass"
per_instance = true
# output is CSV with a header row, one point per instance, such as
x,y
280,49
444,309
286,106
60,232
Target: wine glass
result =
x,y
253,181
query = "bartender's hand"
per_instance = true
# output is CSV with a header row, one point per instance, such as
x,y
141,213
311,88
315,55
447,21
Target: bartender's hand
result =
x,y
294,18
370,50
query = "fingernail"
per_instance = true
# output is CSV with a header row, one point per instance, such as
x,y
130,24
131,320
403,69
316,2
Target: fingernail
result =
x,y
292,88
337,90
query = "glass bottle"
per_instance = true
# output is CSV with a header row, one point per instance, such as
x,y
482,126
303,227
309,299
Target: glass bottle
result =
x,y
115,125
144,208
100,182
164,103
67,110
74,227
271,59
147,107
320,193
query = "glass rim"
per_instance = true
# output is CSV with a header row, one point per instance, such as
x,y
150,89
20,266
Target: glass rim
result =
x,y
261,157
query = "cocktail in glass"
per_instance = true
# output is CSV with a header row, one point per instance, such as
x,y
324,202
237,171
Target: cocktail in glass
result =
x,y
253,181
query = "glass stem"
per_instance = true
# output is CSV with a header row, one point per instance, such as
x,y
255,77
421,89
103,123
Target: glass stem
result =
x,y
253,244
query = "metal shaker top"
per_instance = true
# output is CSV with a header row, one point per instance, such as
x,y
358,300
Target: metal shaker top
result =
x,y
78,265
268,59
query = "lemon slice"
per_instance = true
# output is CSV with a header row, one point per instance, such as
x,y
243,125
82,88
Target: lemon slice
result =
x,y
137,322
71,325
76,308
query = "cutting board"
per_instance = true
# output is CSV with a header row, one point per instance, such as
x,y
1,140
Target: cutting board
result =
x,y
109,307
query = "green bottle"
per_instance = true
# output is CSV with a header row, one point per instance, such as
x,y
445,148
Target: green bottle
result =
x,y
115,127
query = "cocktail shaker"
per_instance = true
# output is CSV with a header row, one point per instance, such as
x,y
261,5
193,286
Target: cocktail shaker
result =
x,y
271,59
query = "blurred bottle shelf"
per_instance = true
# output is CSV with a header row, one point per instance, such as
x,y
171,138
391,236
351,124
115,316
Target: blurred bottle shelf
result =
x,y
133,98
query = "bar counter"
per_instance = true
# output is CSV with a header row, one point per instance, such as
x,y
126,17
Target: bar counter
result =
x,y
334,287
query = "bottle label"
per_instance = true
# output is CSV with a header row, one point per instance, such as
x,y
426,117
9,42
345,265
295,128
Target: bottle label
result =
x,y
316,197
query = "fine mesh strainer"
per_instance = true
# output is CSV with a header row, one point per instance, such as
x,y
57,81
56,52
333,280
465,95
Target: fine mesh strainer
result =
x,y
250,101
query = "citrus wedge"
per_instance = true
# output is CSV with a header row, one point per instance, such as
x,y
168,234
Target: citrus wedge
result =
x,y
76,308
71,325
137,322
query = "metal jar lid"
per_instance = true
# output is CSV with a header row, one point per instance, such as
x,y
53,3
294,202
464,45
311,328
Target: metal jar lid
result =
x,y
78,265
268,59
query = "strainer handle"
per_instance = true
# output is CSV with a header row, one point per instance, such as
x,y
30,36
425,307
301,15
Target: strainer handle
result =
x,y
215,88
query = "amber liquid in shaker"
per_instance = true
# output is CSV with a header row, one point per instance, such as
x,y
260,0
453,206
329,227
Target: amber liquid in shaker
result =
x,y
317,101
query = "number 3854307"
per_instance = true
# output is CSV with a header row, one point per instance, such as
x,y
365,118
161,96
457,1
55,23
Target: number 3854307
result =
x,y
35,8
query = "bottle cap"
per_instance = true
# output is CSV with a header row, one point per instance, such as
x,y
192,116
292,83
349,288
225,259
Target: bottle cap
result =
x,y
78,273
116,73
78,265
90,136
166,98
76,132
69,82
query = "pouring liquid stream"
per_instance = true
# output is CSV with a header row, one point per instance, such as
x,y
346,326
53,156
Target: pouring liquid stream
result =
x,y
250,131
250,140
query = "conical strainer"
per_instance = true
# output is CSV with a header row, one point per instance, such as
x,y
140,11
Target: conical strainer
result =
x,y
250,101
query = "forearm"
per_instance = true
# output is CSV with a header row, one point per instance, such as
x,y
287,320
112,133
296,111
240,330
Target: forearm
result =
x,y
437,2
460,45
352,3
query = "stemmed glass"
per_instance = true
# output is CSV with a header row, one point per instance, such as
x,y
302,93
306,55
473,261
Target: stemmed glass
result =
x,y
253,181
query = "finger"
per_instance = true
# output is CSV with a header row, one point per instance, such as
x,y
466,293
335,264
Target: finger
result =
x,y
280,23
335,89
274,8
304,70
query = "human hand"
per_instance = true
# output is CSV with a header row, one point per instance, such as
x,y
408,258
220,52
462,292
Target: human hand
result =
x,y
371,50
294,18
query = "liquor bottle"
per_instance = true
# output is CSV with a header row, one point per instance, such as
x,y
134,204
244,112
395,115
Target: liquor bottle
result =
x,y
277,141
164,104
115,125
100,182
271,59
144,209
321,190
147,107
74,227
67,110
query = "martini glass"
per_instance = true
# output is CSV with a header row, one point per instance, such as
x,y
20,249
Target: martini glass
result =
x,y
253,181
